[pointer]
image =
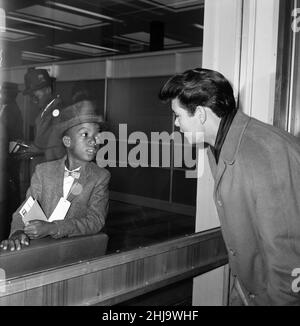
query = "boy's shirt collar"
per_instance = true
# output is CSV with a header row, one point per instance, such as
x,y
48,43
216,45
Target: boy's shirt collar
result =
x,y
77,169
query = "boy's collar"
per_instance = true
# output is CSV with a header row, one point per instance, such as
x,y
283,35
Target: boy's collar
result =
x,y
77,169
66,161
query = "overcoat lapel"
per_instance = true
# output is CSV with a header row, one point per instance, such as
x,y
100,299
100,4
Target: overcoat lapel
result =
x,y
230,147
216,169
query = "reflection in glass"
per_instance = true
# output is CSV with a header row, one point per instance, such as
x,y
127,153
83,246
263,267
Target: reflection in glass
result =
x,y
114,42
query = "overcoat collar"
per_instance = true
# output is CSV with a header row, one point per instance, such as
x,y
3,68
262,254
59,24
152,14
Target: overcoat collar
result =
x,y
234,137
230,147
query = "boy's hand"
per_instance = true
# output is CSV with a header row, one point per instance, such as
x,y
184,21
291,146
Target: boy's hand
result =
x,y
15,242
39,229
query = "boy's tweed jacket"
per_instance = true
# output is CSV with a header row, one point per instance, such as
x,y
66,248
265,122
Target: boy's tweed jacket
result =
x,y
88,209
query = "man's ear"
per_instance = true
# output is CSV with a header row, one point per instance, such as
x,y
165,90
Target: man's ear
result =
x,y
66,141
201,113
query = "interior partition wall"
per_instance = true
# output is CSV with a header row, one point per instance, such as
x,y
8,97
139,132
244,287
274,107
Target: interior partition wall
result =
x,y
287,104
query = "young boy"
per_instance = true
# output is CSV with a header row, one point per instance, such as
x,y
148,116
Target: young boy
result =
x,y
72,191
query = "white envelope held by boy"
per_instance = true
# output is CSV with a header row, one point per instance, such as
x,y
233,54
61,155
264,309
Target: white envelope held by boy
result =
x,y
60,210
32,210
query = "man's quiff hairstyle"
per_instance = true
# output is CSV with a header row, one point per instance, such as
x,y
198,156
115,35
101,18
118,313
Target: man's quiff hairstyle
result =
x,y
200,87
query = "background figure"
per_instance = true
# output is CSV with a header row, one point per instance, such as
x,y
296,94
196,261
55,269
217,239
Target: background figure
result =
x,y
13,129
39,86
3,173
14,120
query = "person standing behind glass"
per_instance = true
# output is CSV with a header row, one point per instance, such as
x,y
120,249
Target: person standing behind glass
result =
x,y
38,85
13,127
14,120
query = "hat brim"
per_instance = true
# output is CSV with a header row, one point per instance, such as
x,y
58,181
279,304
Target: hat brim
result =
x,y
62,127
29,91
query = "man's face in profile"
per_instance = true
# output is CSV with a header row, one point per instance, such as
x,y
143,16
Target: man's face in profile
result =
x,y
41,97
190,124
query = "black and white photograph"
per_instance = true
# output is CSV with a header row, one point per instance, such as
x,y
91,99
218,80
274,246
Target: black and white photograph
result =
x,y
149,156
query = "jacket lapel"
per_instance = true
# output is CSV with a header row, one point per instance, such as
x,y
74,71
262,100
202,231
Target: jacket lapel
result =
x,y
54,182
59,181
79,184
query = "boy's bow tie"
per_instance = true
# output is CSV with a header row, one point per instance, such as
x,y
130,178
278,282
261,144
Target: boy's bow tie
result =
x,y
73,174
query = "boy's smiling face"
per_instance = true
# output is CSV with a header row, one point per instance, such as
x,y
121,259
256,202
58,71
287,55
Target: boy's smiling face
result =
x,y
81,142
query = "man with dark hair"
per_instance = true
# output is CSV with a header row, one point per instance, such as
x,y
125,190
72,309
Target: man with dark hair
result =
x,y
256,169
39,86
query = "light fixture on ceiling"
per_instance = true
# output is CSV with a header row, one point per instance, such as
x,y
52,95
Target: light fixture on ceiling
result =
x,y
78,48
36,23
144,38
98,47
83,11
21,31
28,55
185,2
14,37
173,5
198,26
59,17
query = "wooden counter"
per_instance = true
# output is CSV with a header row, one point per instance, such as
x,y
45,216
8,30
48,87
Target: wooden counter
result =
x,y
115,278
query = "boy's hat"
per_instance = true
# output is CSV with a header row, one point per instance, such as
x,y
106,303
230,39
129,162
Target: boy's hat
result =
x,y
36,79
76,114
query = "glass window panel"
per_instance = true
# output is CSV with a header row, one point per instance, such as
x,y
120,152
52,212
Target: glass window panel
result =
x,y
180,181
93,89
122,52
137,105
141,182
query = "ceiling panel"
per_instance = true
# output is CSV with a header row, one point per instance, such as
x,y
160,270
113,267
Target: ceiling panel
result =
x,y
75,29
34,56
12,36
77,48
143,37
60,16
177,5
